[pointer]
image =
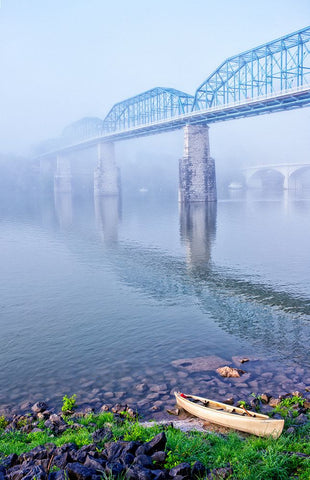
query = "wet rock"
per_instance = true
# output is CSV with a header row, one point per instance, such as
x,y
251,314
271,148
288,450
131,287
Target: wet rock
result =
x,y
307,388
39,407
183,470
227,371
229,401
244,360
199,364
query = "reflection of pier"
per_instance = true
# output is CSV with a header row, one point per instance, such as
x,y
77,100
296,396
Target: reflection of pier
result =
x,y
198,230
108,213
63,208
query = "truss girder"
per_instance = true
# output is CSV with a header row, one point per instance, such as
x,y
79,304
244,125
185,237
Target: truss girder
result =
x,y
279,65
152,106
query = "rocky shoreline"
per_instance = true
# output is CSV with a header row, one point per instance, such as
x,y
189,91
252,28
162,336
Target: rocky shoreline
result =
x,y
151,393
104,458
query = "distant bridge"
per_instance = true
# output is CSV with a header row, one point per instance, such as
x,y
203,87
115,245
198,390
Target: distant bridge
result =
x,y
269,78
286,170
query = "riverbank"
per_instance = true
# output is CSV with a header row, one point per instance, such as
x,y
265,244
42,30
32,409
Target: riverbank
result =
x,y
112,443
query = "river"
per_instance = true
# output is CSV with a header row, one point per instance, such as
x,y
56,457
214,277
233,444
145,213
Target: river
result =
x,y
97,297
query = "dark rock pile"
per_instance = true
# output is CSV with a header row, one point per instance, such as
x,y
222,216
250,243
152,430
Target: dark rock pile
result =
x,y
131,460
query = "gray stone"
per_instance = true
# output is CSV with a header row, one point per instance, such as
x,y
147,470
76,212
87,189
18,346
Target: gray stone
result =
x,y
39,407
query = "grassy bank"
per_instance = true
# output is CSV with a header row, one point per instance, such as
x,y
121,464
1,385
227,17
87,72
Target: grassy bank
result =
x,y
251,458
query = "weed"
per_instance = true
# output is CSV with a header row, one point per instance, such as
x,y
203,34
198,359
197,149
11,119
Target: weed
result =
x,y
69,404
3,422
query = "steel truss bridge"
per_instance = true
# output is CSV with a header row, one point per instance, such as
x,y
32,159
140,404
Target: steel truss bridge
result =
x,y
269,78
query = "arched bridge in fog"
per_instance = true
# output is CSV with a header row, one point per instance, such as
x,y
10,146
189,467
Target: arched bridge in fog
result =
x,y
269,78
287,173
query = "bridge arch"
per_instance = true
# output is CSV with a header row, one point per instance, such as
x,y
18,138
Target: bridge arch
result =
x,y
266,177
297,177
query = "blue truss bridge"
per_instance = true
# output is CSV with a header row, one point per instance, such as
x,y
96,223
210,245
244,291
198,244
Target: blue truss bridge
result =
x,y
269,78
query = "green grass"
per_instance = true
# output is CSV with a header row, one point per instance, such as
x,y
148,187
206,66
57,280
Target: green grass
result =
x,y
252,458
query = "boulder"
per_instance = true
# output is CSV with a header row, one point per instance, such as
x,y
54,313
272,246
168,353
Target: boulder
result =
x,y
232,372
39,407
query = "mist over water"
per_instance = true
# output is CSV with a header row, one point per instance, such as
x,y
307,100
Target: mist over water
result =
x,y
96,291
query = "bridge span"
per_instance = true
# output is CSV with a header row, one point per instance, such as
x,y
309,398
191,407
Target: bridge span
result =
x,y
287,172
269,78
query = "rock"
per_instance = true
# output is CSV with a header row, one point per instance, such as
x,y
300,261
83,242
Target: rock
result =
x,y
143,460
307,389
138,472
244,360
296,394
37,453
76,471
60,475
102,434
302,419
62,460
158,443
127,459
230,372
94,463
105,407
220,473
265,397
158,458
39,407
9,461
183,469
273,402
229,401
198,470
141,387
290,430
199,364
114,469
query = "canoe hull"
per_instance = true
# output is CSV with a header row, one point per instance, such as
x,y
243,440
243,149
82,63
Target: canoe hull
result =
x,y
256,424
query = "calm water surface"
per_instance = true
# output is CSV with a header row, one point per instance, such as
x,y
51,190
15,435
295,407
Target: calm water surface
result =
x,y
93,294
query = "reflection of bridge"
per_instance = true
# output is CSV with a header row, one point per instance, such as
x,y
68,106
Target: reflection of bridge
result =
x,y
288,173
232,300
269,78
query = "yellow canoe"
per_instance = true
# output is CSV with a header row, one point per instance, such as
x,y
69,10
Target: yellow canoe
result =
x,y
230,416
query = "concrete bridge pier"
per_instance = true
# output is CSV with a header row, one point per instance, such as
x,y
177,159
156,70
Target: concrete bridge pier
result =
x,y
106,175
62,177
197,181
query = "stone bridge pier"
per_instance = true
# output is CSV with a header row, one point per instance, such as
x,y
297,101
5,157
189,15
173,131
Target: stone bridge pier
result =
x,y
106,175
197,181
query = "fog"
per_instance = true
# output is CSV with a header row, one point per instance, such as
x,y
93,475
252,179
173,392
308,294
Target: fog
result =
x,y
62,61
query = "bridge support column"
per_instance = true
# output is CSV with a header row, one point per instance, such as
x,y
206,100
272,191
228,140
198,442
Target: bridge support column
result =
x,y
106,175
197,182
62,177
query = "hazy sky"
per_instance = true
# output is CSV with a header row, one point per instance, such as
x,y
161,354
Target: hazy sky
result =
x,y
65,59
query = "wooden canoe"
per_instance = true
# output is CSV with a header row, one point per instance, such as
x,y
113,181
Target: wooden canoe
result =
x,y
230,416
